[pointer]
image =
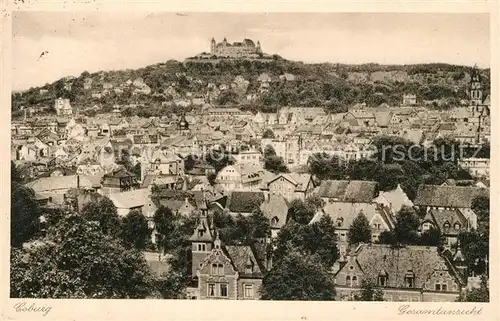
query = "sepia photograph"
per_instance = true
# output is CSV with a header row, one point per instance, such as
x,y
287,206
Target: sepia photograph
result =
x,y
297,156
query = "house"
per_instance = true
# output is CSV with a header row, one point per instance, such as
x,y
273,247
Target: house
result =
x,y
119,180
138,199
344,213
55,187
161,162
411,273
434,197
240,202
450,222
347,191
251,157
275,209
241,177
63,107
394,199
290,186
223,272
477,167
409,99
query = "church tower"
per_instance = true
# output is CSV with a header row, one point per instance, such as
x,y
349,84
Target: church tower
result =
x,y
212,46
475,90
259,50
201,241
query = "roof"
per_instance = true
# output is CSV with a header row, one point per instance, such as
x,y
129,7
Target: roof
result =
x,y
348,191
448,196
130,199
243,202
422,261
47,184
300,180
451,217
347,212
275,207
241,256
395,199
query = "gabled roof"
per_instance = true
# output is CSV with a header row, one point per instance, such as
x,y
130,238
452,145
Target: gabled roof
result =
x,y
243,202
275,207
451,217
448,196
396,262
130,199
241,256
299,180
348,191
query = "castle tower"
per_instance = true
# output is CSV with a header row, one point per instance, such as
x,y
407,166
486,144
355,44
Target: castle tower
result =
x,y
224,42
259,50
201,242
459,261
475,89
212,46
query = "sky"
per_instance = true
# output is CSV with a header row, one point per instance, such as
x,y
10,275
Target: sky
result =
x,y
94,41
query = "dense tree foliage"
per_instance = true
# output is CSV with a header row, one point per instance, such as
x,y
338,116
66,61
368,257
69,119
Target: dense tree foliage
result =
x,y
481,294
316,239
369,292
103,212
275,164
359,231
25,214
298,276
135,231
300,211
78,260
241,229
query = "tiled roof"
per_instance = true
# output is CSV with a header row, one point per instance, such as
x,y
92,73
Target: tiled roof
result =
x,y
422,261
348,191
47,184
451,217
347,212
448,196
275,207
130,199
244,202
241,256
395,199
300,180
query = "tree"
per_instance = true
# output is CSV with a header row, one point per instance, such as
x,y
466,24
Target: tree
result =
x,y
475,247
325,166
268,133
135,231
359,231
275,164
431,237
316,239
300,212
481,206
14,174
481,294
77,260
165,224
269,151
369,292
406,226
25,214
211,178
103,211
298,276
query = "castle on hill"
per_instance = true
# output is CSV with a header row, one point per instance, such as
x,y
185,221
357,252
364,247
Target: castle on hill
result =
x,y
245,49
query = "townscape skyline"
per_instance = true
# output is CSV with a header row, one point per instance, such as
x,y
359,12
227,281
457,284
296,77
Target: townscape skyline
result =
x,y
74,42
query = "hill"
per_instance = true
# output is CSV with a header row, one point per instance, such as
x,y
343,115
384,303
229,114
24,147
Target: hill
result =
x,y
255,84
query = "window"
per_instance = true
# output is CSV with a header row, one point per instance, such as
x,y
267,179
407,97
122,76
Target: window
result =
x,y
457,226
383,278
201,247
220,269
446,225
437,287
200,232
223,290
342,237
354,281
426,226
444,287
211,289
348,281
248,290
340,221
410,279
213,270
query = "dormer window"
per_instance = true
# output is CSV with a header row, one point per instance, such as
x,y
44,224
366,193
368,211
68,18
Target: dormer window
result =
x,y
383,277
410,279
340,221
457,226
446,225
200,233
274,221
